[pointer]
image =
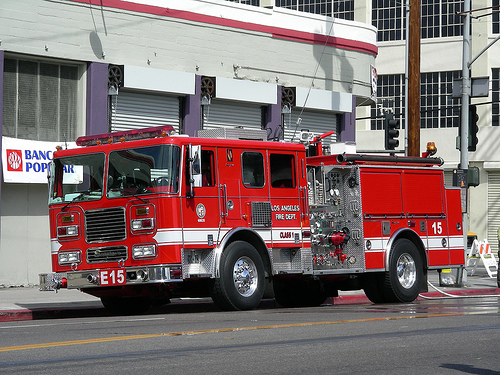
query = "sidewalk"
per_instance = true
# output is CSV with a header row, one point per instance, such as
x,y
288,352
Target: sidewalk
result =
x,y
28,303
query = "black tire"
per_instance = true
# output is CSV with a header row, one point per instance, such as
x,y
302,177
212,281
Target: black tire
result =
x,y
126,306
373,287
403,281
240,285
298,293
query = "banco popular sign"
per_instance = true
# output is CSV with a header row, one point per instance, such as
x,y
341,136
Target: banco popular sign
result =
x,y
25,161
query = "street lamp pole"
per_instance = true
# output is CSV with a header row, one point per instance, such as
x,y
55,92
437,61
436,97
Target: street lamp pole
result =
x,y
464,121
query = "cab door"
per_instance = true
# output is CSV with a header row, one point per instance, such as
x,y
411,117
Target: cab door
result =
x,y
288,196
243,189
200,216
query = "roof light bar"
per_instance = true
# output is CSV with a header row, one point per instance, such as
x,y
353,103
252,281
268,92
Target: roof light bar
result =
x,y
123,136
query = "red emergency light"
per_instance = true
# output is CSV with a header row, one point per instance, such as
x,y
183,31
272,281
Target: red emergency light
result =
x,y
123,136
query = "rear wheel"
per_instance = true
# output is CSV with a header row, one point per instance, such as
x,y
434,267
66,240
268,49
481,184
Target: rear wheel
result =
x,y
403,281
241,282
406,273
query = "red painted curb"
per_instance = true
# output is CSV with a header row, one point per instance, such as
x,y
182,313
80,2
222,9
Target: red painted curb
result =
x,y
16,315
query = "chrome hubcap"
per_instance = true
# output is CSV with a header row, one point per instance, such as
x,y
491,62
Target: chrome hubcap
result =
x,y
245,276
406,271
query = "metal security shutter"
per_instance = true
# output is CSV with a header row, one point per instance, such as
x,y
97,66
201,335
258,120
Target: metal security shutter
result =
x,y
131,110
448,178
230,114
315,121
493,209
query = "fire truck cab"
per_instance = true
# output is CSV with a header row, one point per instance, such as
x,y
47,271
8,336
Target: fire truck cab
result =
x,y
142,216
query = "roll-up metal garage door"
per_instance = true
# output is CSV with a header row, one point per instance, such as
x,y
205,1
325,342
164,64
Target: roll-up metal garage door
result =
x,y
226,114
314,121
448,178
132,110
493,209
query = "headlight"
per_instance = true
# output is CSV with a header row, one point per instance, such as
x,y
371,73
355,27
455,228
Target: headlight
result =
x,y
68,231
144,251
69,257
142,224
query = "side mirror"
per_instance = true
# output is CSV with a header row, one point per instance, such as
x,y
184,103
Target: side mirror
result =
x,y
195,179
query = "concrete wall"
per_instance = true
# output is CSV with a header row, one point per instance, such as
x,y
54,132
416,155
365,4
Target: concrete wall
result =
x,y
174,40
25,241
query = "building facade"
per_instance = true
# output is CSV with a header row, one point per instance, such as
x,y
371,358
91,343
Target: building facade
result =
x,y
81,67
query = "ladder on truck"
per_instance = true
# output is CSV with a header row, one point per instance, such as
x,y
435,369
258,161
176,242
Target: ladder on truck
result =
x,y
481,251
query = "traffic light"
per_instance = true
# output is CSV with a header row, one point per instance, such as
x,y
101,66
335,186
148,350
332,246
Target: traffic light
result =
x,y
473,128
391,126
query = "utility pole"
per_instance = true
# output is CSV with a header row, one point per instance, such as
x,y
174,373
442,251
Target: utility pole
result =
x,y
413,101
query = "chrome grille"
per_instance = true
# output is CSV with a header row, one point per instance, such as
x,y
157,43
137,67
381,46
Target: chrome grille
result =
x,y
106,254
105,225
261,214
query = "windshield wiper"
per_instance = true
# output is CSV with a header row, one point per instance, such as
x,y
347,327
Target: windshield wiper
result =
x,y
74,199
137,188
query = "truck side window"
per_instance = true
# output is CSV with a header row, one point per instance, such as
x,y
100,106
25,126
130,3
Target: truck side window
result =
x,y
207,168
282,171
252,169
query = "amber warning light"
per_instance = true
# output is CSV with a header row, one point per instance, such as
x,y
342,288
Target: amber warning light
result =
x,y
431,150
129,135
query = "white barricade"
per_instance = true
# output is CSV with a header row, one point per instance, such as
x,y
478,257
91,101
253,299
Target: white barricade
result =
x,y
481,251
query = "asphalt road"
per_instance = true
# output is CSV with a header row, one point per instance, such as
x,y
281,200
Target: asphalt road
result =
x,y
459,336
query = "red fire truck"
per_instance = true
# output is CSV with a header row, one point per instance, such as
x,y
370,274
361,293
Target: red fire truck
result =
x,y
142,216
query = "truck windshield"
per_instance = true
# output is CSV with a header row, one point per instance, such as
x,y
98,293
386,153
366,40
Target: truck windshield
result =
x,y
144,170
76,178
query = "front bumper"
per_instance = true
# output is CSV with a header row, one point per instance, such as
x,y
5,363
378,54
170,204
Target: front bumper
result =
x,y
90,279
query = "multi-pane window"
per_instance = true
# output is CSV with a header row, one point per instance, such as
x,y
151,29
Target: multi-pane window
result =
x,y
495,95
344,10
439,19
390,95
495,4
389,19
248,2
451,21
334,8
40,100
437,107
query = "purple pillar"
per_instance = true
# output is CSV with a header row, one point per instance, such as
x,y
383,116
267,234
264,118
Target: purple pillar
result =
x,y
273,118
97,98
191,118
347,128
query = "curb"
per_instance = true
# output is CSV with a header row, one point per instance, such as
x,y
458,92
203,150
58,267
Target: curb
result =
x,y
354,299
361,298
49,313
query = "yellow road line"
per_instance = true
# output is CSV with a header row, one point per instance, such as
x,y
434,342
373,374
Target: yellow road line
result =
x,y
235,329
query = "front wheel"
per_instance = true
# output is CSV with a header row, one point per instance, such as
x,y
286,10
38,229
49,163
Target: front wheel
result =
x,y
240,285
